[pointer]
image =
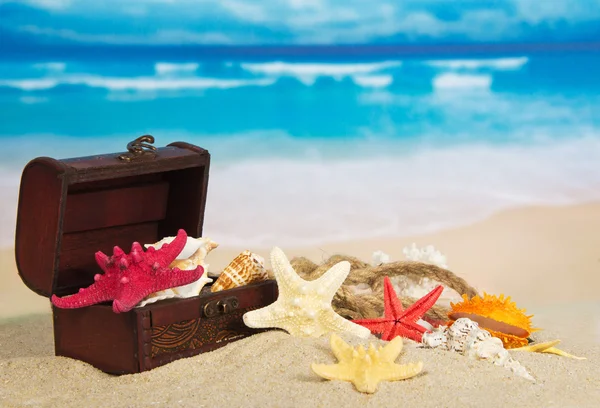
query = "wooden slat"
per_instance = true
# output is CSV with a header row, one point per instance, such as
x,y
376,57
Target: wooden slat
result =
x,y
98,336
38,233
77,265
113,207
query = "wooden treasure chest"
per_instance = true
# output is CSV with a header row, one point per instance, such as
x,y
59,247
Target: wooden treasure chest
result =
x,y
70,209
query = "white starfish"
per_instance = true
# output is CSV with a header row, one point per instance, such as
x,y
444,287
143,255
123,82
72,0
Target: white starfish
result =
x,y
303,308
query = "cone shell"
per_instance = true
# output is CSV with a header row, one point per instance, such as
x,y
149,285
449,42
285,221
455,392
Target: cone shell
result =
x,y
246,268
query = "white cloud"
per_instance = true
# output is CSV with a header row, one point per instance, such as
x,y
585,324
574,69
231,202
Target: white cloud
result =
x,y
305,4
536,12
319,21
247,11
159,37
51,4
188,37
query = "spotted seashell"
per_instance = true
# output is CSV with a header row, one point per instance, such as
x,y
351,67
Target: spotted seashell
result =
x,y
466,337
246,268
459,333
435,338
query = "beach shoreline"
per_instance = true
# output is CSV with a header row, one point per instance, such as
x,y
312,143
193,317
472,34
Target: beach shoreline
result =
x,y
373,191
546,258
537,255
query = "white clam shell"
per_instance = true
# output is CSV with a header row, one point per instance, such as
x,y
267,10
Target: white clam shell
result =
x,y
191,256
191,246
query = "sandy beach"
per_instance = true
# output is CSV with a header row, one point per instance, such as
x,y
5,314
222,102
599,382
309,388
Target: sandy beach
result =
x,y
546,258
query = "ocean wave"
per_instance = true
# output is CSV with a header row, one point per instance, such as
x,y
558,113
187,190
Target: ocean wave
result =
x,y
373,81
30,100
169,68
335,70
322,204
503,64
166,82
137,83
461,81
363,74
51,67
332,200
32,84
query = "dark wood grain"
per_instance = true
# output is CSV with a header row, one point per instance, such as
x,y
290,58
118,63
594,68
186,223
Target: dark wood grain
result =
x,y
172,310
108,166
40,209
69,209
80,200
128,343
116,182
98,209
77,262
180,329
98,336
186,202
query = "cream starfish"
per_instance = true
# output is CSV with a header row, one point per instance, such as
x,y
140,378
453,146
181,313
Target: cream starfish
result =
x,y
366,368
303,308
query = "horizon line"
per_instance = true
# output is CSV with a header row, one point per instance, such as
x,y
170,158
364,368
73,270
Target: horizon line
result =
x,y
302,50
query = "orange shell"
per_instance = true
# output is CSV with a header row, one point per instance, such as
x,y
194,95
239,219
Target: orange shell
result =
x,y
508,340
498,315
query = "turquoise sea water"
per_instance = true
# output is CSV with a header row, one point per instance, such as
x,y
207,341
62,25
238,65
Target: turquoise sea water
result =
x,y
307,150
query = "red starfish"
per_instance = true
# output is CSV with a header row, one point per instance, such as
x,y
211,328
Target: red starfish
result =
x,y
129,278
436,322
399,322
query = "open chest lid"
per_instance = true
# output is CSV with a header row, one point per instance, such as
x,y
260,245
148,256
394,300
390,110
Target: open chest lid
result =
x,y
70,209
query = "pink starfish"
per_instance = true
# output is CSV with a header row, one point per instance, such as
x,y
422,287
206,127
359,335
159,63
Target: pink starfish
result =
x,y
399,322
129,278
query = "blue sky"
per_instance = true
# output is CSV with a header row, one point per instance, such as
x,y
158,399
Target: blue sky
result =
x,y
248,22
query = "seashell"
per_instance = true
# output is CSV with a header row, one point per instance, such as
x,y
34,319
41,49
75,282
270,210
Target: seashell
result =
x,y
191,247
459,333
193,254
465,337
436,338
489,348
498,315
492,350
245,268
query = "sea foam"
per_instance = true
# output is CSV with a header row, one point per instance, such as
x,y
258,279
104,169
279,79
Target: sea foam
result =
x,y
314,200
316,69
275,202
501,64
137,83
461,81
169,68
373,81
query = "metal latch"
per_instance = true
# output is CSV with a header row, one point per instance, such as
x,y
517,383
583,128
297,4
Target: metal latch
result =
x,y
221,306
140,148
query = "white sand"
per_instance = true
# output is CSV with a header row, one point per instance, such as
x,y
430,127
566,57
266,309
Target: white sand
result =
x,y
548,259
